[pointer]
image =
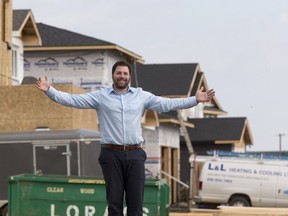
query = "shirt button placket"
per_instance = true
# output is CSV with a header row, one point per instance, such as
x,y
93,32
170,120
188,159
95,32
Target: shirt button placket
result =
x,y
123,118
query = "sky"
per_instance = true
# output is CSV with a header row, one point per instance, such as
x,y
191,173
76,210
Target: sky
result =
x,y
240,45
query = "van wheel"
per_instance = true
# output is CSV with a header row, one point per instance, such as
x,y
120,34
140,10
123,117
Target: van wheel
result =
x,y
4,211
239,201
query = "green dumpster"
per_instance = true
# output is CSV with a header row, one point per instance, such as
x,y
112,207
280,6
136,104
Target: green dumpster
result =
x,y
156,198
46,195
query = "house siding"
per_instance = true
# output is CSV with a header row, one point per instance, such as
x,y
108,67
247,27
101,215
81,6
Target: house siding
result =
x,y
88,69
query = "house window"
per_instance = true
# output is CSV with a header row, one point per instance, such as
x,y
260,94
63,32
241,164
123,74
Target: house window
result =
x,y
14,63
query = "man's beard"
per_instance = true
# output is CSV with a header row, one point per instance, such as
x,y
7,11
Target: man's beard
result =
x,y
119,85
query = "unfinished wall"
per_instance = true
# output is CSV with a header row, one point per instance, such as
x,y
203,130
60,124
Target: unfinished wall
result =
x,y
5,42
25,108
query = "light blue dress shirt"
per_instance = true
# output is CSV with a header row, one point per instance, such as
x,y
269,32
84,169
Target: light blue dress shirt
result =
x,y
119,115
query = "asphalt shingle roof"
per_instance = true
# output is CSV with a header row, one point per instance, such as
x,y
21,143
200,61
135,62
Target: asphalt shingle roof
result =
x,y
18,18
210,129
53,36
196,84
165,79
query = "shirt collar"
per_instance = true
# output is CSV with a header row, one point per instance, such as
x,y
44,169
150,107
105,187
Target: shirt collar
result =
x,y
130,89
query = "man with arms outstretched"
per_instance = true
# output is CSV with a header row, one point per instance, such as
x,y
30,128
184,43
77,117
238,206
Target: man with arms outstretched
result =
x,y
119,109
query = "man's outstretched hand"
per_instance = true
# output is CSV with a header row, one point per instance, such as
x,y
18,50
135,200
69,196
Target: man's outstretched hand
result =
x,y
42,85
204,96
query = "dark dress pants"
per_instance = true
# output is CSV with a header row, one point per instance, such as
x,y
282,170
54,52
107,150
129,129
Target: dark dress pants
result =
x,y
124,171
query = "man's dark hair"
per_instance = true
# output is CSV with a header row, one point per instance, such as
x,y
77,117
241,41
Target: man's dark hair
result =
x,y
121,63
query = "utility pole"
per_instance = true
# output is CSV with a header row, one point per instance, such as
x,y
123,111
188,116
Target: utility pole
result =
x,y
280,140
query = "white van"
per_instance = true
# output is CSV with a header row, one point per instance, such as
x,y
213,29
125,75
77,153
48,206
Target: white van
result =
x,y
241,182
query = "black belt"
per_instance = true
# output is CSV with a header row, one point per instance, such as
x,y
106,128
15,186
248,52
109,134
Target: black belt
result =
x,y
121,147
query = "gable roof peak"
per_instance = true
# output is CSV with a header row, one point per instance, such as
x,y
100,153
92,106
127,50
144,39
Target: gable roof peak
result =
x,y
19,17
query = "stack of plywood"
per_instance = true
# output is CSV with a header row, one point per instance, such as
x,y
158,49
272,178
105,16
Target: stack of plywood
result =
x,y
197,212
190,214
252,211
236,211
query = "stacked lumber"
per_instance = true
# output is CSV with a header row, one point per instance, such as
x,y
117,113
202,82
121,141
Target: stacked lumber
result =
x,y
190,214
252,211
235,211
197,212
